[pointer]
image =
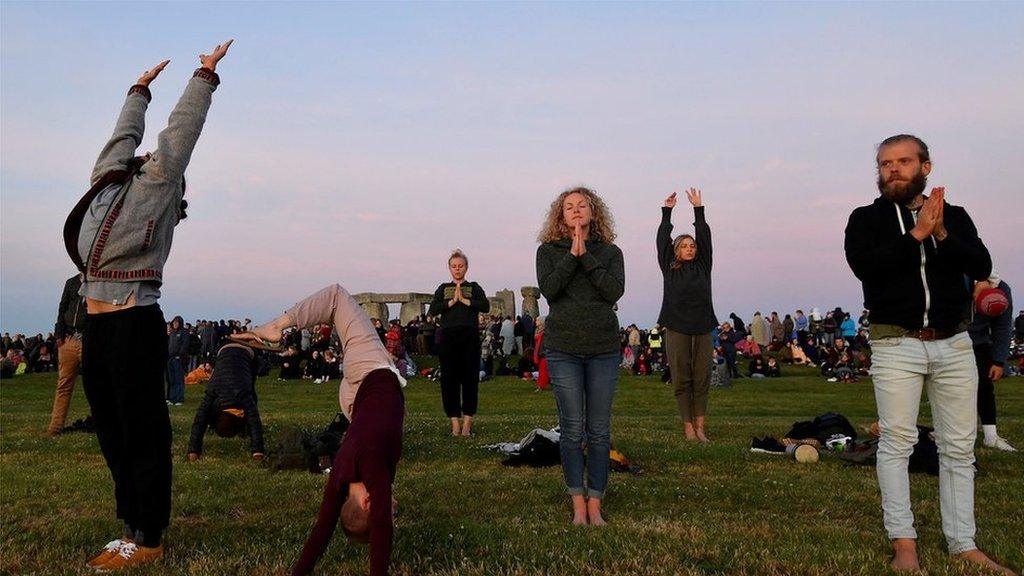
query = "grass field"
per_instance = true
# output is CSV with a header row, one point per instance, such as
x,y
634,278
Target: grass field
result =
x,y
715,509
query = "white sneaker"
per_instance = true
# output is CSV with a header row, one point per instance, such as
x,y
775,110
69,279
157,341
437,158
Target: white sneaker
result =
x,y
999,443
833,380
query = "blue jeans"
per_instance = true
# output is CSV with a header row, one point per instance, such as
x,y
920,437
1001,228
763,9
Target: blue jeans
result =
x,y
176,380
584,388
901,367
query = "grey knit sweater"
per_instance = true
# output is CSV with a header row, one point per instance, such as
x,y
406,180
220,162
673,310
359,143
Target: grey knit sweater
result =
x,y
135,237
581,294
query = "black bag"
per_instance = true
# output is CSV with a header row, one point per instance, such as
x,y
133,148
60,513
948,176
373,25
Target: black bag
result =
x,y
326,444
830,424
537,451
290,452
821,428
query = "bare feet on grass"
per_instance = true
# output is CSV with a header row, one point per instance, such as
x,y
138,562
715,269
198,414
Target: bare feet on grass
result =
x,y
980,558
579,510
594,512
691,433
467,425
904,558
698,424
456,429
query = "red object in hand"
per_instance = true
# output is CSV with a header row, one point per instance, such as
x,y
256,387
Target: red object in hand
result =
x,y
991,302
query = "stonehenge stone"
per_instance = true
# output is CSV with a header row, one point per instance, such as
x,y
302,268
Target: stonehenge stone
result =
x,y
376,310
531,300
497,306
509,298
414,307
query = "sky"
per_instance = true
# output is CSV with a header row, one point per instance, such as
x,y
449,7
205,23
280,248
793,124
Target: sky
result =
x,y
361,143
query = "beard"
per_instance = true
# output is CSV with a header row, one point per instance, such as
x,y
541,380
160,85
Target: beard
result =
x,y
901,191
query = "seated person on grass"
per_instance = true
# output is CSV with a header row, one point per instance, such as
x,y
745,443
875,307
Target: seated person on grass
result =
x,y
200,375
229,404
359,487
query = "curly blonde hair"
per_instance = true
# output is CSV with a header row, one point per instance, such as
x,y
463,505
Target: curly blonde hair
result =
x,y
602,226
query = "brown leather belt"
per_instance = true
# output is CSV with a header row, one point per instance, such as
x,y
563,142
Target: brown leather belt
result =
x,y
929,334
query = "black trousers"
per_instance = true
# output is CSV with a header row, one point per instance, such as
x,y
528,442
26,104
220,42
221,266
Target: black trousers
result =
x,y
986,389
124,355
460,370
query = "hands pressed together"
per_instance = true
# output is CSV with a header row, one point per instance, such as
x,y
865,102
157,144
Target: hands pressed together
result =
x,y
579,243
208,61
930,218
459,297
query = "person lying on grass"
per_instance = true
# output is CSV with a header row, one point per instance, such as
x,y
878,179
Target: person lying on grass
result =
x,y
359,487
230,402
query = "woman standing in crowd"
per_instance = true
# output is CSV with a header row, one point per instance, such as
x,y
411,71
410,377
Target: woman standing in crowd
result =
x,y
687,312
581,274
458,304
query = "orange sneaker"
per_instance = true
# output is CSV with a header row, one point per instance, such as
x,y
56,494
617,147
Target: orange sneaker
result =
x,y
130,555
109,551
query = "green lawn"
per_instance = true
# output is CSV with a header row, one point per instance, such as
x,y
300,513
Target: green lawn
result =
x,y
715,509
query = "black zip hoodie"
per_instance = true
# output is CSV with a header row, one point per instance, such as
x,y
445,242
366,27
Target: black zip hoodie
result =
x,y
915,284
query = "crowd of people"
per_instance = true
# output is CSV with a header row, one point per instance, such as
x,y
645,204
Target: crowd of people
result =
x,y
134,363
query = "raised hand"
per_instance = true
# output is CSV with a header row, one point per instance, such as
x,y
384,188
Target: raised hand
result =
x,y
151,74
670,202
694,196
210,60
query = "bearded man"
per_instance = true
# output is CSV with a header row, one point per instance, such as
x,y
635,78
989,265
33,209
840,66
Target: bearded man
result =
x,y
911,253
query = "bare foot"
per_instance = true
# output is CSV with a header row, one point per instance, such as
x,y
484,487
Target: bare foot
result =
x,y
701,436
467,425
271,331
691,434
904,558
456,430
594,512
579,510
980,558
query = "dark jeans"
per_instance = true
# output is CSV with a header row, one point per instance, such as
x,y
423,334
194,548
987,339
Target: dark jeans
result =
x,y
124,356
986,389
460,370
730,360
176,379
584,388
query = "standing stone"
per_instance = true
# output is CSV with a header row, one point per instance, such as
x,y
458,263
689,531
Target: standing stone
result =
x,y
531,302
377,310
497,306
414,307
509,298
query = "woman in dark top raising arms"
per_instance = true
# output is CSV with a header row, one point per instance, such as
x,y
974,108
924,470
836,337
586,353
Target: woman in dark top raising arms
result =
x,y
686,311
581,274
458,304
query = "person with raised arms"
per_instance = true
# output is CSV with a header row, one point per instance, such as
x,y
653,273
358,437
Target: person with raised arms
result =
x,y
687,312
119,236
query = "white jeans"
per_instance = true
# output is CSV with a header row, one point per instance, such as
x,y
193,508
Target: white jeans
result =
x,y
900,368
